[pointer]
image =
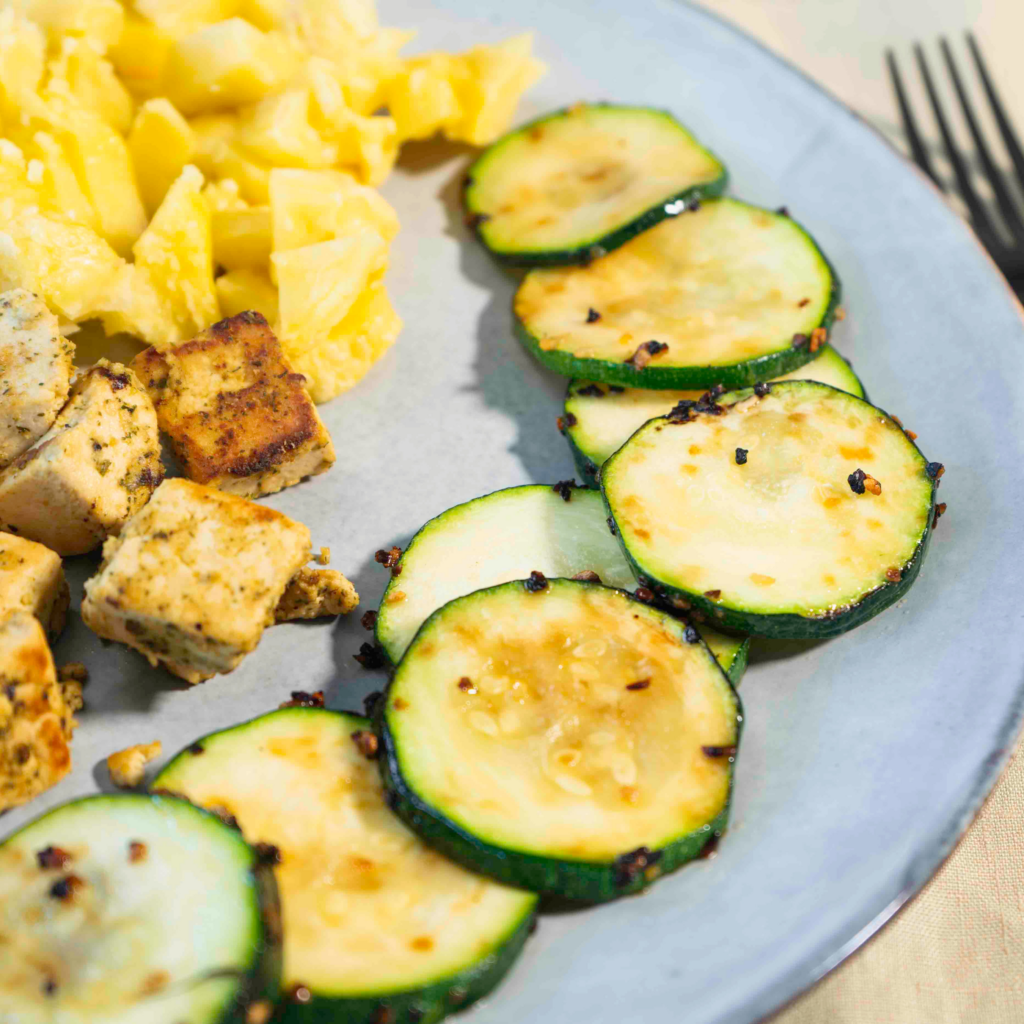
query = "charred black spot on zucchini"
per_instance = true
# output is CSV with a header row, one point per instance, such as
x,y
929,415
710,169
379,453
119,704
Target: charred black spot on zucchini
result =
x,y
135,906
556,766
578,183
605,419
787,542
723,287
377,926
507,536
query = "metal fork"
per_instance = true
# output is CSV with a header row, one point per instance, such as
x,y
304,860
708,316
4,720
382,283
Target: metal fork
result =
x,y
1006,247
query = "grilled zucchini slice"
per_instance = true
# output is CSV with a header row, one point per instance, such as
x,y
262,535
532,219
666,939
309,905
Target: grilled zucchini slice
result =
x,y
729,294
561,736
134,908
377,926
796,511
580,182
599,420
557,531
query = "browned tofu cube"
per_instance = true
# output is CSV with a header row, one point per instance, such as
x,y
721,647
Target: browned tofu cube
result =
x,y
32,580
36,713
194,577
91,470
238,418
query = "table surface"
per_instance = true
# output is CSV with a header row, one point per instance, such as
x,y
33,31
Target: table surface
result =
x,y
842,45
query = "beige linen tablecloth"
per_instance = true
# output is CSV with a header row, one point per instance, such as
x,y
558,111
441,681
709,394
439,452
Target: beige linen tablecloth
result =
x,y
955,954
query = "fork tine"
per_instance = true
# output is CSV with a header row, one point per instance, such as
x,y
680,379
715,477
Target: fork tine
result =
x,y
979,218
917,146
1005,128
992,172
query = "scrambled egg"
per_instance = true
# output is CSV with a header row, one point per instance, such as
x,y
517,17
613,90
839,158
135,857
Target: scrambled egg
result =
x,y
125,127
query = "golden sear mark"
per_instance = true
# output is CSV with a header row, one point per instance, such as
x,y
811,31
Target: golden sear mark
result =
x,y
761,580
694,449
689,467
154,983
828,579
422,944
601,172
397,597
849,452
831,502
874,524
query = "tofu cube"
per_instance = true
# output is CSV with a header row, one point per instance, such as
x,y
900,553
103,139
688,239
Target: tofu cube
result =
x,y
32,580
36,364
194,578
93,469
36,721
238,418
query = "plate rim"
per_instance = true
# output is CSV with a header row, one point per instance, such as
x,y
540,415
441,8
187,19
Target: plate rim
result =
x,y
925,863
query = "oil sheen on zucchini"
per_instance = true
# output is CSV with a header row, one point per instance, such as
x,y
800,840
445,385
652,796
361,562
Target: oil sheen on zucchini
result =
x,y
728,294
579,182
133,909
561,736
598,421
557,531
377,926
799,513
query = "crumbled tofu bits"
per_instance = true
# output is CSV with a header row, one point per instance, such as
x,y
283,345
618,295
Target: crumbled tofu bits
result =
x,y
128,767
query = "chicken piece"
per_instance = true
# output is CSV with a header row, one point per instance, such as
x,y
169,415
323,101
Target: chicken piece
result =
x,y
96,466
32,580
194,577
238,418
36,364
36,722
128,767
316,594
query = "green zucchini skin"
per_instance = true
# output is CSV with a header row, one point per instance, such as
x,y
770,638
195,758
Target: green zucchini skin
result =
x,y
673,205
786,626
654,377
589,471
257,984
738,668
426,1003
577,881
